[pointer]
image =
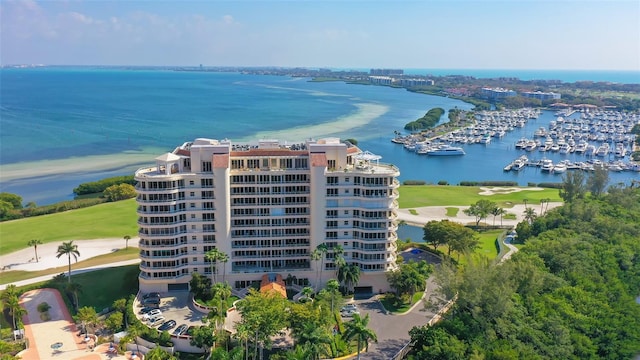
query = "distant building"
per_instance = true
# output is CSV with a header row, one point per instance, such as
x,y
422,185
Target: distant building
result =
x,y
416,82
541,95
386,72
381,80
497,93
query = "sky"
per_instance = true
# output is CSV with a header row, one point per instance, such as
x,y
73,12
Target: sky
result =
x,y
455,34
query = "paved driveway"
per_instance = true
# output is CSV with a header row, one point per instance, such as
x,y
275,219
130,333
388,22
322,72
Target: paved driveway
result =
x,y
392,330
177,306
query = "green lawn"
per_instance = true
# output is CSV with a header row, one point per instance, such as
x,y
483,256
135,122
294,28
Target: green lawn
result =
x,y
452,211
488,243
388,304
109,220
433,195
101,288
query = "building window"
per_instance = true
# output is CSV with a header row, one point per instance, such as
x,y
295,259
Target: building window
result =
x,y
195,248
191,182
206,166
194,238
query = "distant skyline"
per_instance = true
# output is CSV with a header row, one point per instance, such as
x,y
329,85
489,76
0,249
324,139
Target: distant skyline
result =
x,y
457,34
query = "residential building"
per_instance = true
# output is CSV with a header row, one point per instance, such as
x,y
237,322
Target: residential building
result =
x,y
497,93
381,80
416,82
541,95
267,206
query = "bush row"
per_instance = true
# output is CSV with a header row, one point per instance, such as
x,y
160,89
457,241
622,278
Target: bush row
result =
x,y
101,185
488,183
50,209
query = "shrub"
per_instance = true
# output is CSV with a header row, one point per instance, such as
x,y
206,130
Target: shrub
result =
x,y
101,185
119,192
43,307
550,185
443,182
414,182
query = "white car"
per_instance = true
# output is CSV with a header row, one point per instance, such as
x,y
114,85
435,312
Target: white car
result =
x,y
151,314
349,307
350,313
155,321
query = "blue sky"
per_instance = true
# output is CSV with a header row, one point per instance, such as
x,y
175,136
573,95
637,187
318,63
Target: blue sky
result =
x,y
453,34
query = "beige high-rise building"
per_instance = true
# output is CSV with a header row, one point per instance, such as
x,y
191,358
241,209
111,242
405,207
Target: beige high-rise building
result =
x,y
267,206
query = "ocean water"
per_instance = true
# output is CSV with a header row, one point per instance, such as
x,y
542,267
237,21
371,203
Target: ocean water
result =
x,y
60,127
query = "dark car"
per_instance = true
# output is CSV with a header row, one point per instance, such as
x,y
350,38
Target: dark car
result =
x,y
167,325
180,330
146,309
150,302
151,295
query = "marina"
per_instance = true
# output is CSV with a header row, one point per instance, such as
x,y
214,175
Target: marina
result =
x,y
591,139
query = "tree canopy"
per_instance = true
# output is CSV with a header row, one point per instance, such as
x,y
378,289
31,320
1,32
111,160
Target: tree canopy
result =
x,y
569,293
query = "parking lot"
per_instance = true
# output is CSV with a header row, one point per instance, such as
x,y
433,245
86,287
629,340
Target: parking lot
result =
x,y
175,306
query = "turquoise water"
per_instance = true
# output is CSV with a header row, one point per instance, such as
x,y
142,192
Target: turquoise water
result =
x,y
61,126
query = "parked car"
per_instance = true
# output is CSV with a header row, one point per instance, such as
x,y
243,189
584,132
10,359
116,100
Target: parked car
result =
x,y
155,321
180,330
151,314
152,301
349,307
151,295
349,313
167,325
147,309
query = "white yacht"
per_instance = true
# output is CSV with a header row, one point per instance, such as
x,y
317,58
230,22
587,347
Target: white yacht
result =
x,y
446,150
547,165
560,168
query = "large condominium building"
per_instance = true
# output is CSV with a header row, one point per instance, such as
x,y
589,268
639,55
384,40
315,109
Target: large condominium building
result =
x,y
266,206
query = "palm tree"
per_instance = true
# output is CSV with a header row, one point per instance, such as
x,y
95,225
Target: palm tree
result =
x,y
16,311
323,248
338,258
221,291
530,215
332,286
69,249
134,330
87,316
495,212
126,239
75,288
224,259
35,244
212,257
316,256
315,340
357,328
307,291
349,274
243,334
